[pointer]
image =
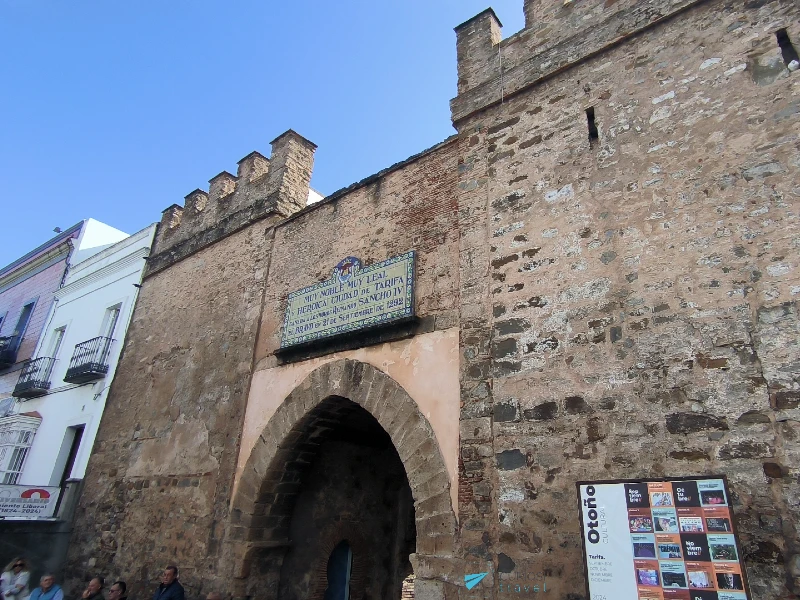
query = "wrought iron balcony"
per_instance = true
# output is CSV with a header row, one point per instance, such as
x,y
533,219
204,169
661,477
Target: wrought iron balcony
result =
x,y
89,361
8,350
35,378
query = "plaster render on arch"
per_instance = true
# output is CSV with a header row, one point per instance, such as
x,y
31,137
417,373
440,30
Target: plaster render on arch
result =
x,y
291,426
425,366
384,399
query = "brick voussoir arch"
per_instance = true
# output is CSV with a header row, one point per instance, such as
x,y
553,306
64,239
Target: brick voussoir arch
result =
x,y
267,484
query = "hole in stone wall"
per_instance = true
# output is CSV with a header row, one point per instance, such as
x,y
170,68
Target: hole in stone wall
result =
x,y
790,56
593,133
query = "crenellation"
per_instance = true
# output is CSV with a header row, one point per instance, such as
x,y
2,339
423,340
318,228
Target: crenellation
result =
x,y
289,175
221,186
557,36
171,217
195,202
476,48
252,166
279,186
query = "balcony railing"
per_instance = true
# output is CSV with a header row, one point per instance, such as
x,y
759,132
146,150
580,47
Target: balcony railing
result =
x,y
35,378
89,361
8,350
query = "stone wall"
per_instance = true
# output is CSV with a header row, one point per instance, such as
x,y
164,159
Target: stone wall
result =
x,y
260,188
628,303
411,206
158,482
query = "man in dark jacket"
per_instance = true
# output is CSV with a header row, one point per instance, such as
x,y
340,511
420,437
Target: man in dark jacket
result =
x,y
170,588
94,591
118,591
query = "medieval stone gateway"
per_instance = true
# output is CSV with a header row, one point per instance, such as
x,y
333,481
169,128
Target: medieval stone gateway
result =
x,y
595,279
270,484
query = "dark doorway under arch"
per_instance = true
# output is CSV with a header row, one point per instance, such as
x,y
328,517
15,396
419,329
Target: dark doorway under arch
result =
x,y
354,488
340,564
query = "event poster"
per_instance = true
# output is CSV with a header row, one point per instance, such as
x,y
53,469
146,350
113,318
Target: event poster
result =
x,y
660,540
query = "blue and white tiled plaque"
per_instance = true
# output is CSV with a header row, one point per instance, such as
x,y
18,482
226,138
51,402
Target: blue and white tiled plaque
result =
x,y
355,297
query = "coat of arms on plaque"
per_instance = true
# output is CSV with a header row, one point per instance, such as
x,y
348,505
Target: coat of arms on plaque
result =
x,y
346,268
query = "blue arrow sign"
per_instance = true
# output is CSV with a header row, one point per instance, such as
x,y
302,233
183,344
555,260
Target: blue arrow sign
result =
x,y
474,579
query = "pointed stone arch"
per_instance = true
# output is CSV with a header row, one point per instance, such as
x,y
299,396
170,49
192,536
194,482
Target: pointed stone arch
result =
x,y
270,481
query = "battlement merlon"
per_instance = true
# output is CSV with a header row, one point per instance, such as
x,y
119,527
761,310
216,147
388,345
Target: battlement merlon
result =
x,y
476,49
221,186
277,186
171,217
289,175
253,166
558,34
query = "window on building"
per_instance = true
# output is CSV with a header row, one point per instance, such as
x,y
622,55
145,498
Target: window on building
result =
x,y
16,439
24,318
22,324
55,342
110,321
68,455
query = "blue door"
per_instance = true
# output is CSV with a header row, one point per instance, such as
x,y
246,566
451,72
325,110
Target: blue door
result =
x,y
339,564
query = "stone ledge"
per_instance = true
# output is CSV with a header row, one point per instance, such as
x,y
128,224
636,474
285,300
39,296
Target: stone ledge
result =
x,y
362,338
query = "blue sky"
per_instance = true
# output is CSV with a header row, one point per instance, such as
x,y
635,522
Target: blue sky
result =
x,y
115,110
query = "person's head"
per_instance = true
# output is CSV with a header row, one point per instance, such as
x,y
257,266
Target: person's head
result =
x,y
214,596
170,574
17,565
95,585
47,581
117,591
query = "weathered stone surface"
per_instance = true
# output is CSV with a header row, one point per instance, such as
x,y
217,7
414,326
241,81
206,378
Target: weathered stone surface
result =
x,y
543,412
746,449
164,451
574,405
509,460
693,422
505,412
665,268
689,454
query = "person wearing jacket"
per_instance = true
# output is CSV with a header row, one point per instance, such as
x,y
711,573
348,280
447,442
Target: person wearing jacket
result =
x,y
48,589
170,588
118,591
14,580
94,591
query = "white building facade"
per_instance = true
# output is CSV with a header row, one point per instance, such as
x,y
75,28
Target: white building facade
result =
x,y
65,385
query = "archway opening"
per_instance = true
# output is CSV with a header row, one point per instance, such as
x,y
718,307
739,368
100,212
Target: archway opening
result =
x,y
351,523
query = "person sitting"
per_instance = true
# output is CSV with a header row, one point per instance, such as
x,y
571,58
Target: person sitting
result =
x,y
118,591
94,591
170,588
48,589
14,580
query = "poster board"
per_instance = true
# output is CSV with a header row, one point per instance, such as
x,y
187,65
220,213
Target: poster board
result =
x,y
28,501
660,539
